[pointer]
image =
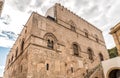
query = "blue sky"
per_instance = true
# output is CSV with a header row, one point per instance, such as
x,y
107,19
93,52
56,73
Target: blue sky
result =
x,y
104,14
3,52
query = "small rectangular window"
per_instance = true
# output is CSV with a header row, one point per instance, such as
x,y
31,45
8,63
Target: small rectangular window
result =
x,y
73,28
47,66
72,69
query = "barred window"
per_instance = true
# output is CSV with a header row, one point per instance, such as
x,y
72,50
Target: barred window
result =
x,y
90,54
75,49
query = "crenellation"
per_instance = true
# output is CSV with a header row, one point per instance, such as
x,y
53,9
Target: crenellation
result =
x,y
48,48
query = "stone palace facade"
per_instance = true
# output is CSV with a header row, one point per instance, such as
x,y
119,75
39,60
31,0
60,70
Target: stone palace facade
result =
x,y
57,45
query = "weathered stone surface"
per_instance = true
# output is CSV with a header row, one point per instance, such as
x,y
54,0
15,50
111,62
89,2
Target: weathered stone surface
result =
x,y
37,60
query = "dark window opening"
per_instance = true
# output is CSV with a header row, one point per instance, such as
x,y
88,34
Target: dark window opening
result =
x,y
51,18
16,52
101,57
22,46
50,44
12,58
72,69
86,34
26,31
47,66
90,53
73,28
97,40
114,74
75,49
65,64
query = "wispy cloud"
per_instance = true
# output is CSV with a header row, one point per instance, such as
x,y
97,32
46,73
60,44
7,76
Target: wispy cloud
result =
x,y
5,19
20,5
7,38
101,13
104,14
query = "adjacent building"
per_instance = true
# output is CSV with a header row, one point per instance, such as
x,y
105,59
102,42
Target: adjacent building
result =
x,y
115,32
1,6
111,67
57,45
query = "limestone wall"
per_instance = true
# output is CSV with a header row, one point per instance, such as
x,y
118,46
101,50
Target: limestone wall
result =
x,y
61,61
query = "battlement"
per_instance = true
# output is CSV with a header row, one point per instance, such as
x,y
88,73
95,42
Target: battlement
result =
x,y
59,12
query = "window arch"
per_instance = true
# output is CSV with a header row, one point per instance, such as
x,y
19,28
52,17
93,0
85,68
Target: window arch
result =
x,y
101,57
86,32
72,25
75,49
90,54
50,40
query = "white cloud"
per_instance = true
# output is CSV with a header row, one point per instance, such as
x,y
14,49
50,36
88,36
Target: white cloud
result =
x,y
4,42
2,67
101,13
1,70
104,14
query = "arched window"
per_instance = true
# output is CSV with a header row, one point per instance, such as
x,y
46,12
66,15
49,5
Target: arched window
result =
x,y
50,44
101,57
50,40
86,32
76,49
96,38
22,45
90,53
